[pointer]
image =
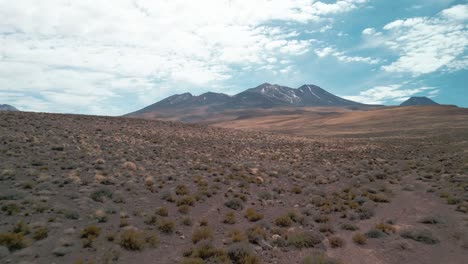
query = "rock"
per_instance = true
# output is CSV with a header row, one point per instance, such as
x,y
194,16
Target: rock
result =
x,y
259,180
129,166
276,237
4,252
69,231
61,251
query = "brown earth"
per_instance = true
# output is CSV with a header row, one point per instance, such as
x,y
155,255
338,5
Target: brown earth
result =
x,y
87,189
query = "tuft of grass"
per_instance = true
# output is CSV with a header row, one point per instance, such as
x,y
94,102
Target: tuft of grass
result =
x,y
186,200
13,241
242,253
360,239
202,233
187,221
132,239
349,227
181,190
375,233
234,204
100,195
162,211
386,228
40,233
305,239
431,220
21,227
166,226
252,215
419,235
255,234
184,209
90,231
229,218
336,242
283,221
237,236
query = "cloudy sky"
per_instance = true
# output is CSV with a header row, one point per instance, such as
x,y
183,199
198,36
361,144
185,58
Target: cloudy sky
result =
x,y
112,57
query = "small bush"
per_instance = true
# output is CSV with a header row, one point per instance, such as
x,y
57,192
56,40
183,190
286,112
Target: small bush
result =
x,y
242,253
100,195
349,227
360,239
181,190
423,236
365,213
187,221
237,236
202,233
21,227
296,190
375,233
162,211
184,209
132,239
90,231
336,242
166,226
321,219
255,234
306,239
186,200
11,208
229,218
379,198
234,204
252,215
386,228
431,220
40,233
207,252
152,240
283,221
13,241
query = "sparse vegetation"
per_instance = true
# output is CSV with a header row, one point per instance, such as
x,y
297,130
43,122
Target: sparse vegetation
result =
x,y
132,239
420,235
202,233
252,215
360,239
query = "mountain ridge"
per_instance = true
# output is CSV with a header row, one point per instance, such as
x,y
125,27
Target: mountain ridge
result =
x,y
418,101
263,96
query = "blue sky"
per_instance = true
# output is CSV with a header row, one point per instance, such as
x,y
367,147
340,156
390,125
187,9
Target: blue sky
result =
x,y
114,57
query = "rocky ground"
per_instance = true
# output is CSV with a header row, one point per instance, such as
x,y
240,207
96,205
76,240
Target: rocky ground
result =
x,y
85,189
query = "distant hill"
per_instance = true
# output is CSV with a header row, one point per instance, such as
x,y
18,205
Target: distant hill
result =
x,y
414,101
264,96
9,108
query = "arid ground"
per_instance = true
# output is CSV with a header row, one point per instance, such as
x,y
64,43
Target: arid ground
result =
x,y
381,186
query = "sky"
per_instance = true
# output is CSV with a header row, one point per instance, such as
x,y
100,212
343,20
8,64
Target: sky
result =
x,y
112,57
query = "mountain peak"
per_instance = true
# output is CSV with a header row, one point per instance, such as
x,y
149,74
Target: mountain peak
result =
x,y
8,108
418,100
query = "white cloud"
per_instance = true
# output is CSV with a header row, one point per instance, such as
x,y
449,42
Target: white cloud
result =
x,y
339,55
428,44
371,32
458,12
100,48
386,94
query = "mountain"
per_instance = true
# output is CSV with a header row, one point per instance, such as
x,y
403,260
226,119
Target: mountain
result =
x,y
414,101
264,96
9,108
